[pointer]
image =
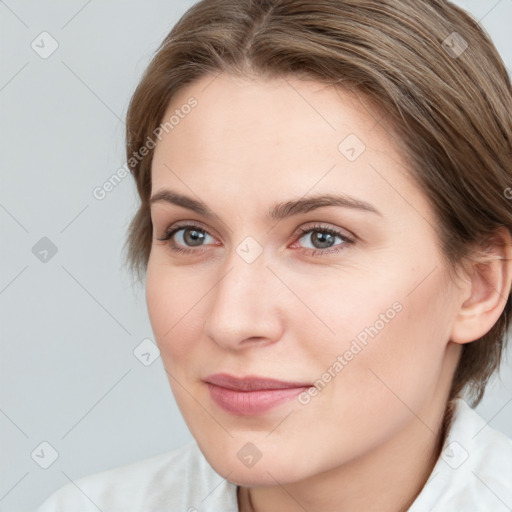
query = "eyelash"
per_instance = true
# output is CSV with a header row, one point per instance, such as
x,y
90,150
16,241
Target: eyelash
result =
x,y
171,231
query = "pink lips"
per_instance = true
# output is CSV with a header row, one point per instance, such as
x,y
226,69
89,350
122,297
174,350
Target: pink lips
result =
x,y
251,395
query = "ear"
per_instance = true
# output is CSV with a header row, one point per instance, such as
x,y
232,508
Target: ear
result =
x,y
486,291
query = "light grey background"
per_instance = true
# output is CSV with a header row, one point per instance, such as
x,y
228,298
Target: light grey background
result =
x,y
70,325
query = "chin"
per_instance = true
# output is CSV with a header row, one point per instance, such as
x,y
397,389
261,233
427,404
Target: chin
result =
x,y
260,475
274,466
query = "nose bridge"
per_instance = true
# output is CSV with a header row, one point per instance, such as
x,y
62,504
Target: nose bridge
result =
x,y
243,302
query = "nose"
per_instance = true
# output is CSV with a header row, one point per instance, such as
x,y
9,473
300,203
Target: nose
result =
x,y
244,307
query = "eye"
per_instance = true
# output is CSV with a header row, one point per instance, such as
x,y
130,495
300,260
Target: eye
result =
x,y
188,235
323,238
188,238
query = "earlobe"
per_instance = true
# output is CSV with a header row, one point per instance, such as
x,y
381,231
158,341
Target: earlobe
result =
x,y
489,288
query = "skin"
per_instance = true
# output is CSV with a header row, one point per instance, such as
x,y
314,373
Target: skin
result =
x,y
369,440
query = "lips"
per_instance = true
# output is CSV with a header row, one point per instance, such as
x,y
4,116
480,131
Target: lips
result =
x,y
251,395
251,383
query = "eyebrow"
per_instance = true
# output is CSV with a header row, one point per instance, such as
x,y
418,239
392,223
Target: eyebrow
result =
x,y
278,211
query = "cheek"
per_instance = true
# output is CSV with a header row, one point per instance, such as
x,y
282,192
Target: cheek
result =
x,y
159,303
382,327
173,301
378,381
399,361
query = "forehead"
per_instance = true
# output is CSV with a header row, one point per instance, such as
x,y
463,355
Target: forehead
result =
x,y
280,137
281,112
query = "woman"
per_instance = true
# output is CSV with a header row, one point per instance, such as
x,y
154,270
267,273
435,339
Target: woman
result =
x,y
325,236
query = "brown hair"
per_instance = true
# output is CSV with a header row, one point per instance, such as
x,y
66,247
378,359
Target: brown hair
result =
x,y
426,64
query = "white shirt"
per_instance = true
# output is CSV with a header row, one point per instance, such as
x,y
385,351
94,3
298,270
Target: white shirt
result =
x,y
472,474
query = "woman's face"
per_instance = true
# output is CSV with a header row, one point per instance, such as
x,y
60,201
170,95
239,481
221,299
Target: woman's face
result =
x,y
352,295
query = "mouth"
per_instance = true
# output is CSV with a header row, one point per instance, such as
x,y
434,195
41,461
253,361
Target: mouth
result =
x,y
251,395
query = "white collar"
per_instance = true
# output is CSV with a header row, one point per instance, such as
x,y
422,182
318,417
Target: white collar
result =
x,y
474,470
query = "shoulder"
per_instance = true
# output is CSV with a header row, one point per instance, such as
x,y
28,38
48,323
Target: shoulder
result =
x,y
474,470
179,479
